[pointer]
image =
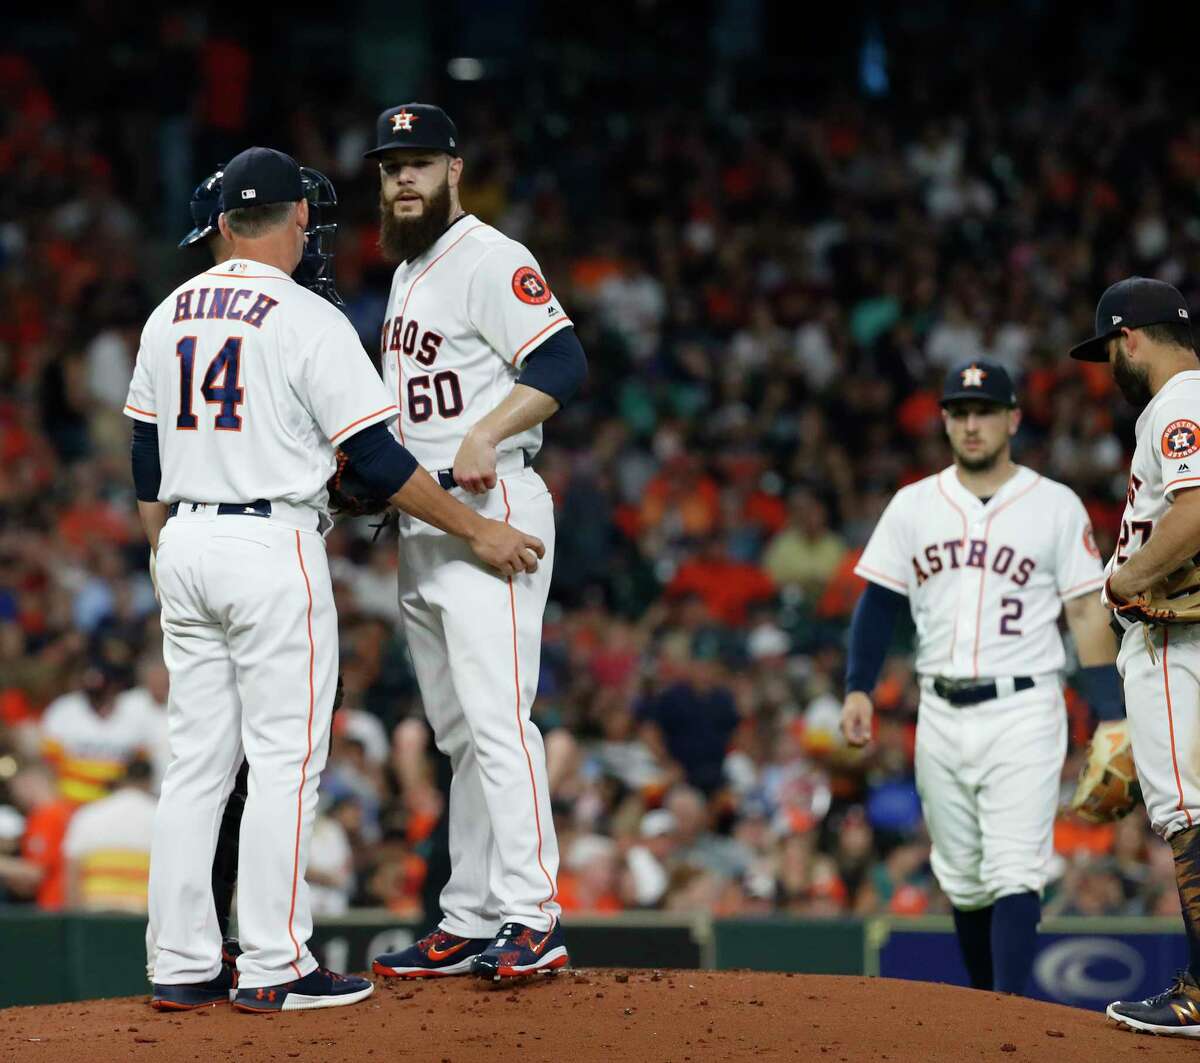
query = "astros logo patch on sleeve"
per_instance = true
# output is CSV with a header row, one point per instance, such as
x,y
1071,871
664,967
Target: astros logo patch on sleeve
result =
x,y
1181,439
530,288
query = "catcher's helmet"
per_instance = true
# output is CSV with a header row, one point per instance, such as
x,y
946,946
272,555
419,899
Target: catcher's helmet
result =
x,y
206,208
315,271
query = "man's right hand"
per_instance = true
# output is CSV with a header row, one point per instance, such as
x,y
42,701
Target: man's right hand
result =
x,y
857,711
506,548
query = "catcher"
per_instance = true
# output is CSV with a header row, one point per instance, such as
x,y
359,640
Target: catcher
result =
x,y
1143,331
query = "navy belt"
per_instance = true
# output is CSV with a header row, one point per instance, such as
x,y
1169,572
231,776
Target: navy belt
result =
x,y
258,508
960,692
445,477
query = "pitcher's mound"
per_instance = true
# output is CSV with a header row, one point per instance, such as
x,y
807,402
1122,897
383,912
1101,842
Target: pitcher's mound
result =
x,y
609,1015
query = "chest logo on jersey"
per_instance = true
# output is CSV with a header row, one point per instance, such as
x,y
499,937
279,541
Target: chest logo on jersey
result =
x,y
528,286
973,553
402,336
1181,439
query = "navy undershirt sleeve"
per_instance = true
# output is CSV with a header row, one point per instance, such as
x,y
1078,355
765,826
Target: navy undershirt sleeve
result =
x,y
147,469
870,635
558,366
1101,685
379,459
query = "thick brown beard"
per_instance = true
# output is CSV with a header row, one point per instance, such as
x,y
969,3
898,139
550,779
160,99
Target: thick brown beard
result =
x,y
402,240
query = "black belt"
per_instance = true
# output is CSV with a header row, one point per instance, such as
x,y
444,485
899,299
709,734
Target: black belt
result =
x,y
445,477
258,508
958,692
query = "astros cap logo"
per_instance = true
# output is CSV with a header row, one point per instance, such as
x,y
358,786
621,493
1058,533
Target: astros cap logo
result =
x,y
972,377
403,120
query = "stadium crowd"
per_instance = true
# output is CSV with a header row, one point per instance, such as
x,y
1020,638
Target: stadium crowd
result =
x,y
769,301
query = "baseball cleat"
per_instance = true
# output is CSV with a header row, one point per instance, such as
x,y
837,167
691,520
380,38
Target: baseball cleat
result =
x,y
320,988
192,995
519,950
436,955
1175,1012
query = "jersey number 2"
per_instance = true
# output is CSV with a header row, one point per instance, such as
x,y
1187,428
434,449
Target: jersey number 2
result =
x,y
228,395
1013,608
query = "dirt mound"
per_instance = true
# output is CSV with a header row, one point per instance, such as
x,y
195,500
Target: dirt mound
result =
x,y
581,1016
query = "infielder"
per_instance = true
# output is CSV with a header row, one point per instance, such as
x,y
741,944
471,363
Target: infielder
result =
x,y
244,382
477,353
988,553
1144,332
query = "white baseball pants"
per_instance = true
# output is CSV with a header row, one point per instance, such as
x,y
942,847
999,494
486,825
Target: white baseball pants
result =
x,y
250,640
988,776
476,642
1162,703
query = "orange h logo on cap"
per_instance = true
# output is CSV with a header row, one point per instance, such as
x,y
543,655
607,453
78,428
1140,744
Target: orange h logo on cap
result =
x,y
403,120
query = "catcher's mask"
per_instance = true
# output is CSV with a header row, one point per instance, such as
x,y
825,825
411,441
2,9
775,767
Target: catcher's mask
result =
x,y
315,271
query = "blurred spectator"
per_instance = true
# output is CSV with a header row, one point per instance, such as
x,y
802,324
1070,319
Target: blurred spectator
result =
x,y
805,554
38,873
107,846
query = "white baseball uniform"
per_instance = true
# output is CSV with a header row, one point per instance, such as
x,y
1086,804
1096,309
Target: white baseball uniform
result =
x,y
1162,678
251,380
462,318
986,583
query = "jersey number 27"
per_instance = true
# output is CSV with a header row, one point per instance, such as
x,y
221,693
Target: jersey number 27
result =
x,y
226,364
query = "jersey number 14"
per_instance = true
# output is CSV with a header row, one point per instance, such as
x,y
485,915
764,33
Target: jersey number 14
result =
x,y
225,365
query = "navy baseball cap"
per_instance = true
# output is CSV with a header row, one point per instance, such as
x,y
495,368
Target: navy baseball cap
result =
x,y
1132,303
258,177
981,380
414,125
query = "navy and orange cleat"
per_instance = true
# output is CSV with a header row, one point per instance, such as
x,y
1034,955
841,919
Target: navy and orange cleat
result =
x,y
320,988
1175,1012
519,950
194,995
436,955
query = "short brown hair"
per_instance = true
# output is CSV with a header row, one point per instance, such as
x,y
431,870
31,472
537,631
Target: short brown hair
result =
x,y
1172,334
252,222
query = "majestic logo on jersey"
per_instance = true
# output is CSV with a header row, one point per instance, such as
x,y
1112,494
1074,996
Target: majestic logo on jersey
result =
x,y
973,376
402,121
973,553
1089,541
529,286
1181,439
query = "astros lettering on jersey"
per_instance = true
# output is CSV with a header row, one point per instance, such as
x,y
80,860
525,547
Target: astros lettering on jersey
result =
x,y
985,582
449,360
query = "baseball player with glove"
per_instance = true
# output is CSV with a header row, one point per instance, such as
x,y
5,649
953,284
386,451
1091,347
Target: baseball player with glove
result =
x,y
477,352
988,554
243,384
1143,331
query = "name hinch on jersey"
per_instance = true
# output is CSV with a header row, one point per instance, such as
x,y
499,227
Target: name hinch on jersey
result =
x,y
973,553
225,304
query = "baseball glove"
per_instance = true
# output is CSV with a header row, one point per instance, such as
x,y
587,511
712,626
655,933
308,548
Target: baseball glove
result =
x,y
1176,600
1108,788
350,495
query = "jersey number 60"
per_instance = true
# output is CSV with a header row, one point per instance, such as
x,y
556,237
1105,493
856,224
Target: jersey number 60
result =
x,y
446,391
229,395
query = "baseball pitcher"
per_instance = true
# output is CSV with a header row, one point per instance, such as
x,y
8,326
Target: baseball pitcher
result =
x,y
477,353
